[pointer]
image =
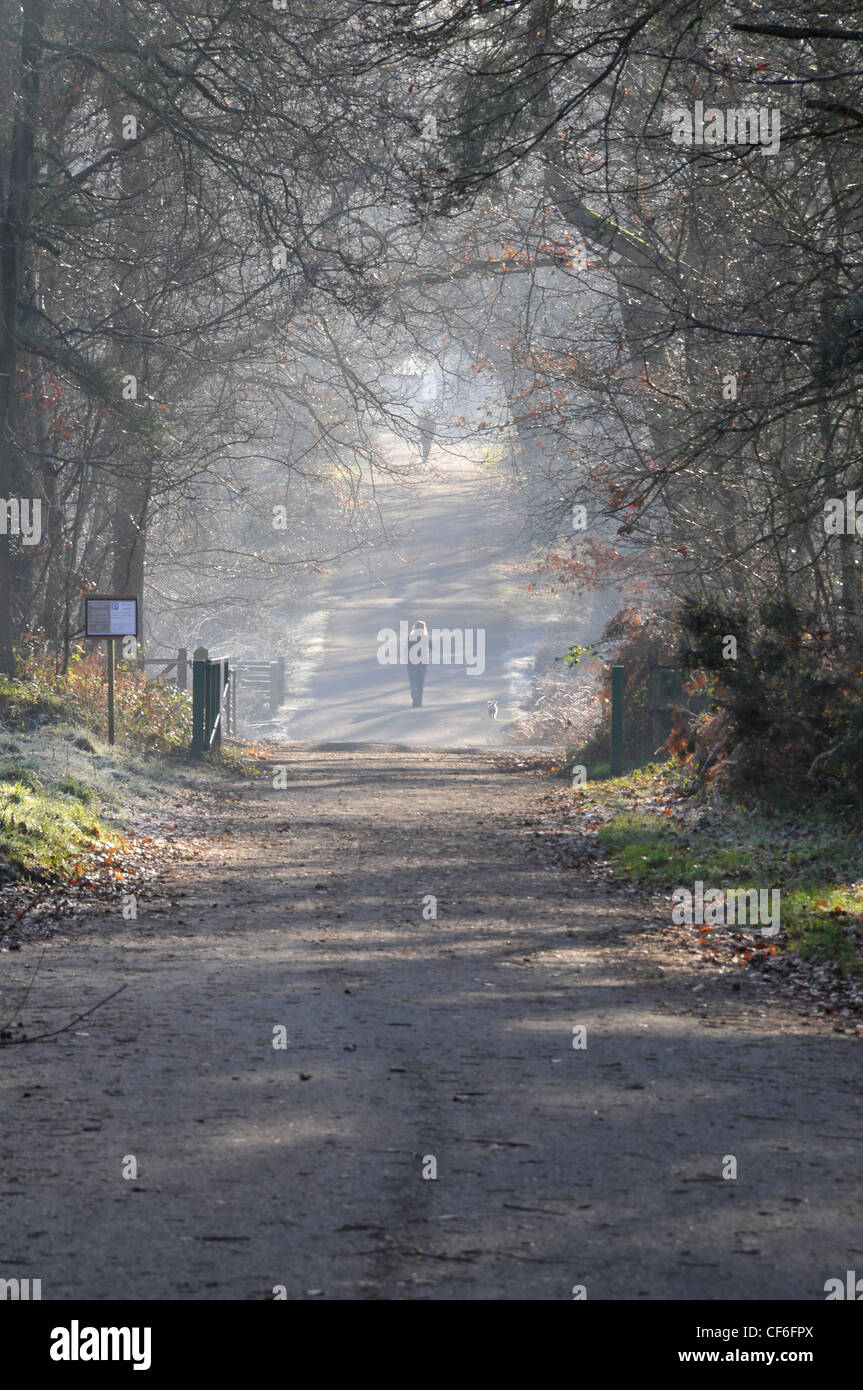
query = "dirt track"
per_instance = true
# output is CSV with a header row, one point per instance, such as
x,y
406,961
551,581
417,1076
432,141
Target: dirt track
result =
x,y
409,1038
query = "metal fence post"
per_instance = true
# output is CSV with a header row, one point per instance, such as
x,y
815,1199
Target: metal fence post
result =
x,y
214,670
208,703
617,673
220,678
199,701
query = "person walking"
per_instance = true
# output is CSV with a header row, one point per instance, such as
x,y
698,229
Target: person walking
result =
x,y
418,657
426,425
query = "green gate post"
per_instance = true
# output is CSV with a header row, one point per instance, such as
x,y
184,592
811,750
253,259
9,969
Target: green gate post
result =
x,y
199,700
616,720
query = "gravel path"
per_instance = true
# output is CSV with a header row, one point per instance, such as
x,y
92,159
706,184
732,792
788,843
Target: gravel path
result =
x,y
408,1040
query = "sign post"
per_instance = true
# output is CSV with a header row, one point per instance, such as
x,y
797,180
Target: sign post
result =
x,y
111,616
111,691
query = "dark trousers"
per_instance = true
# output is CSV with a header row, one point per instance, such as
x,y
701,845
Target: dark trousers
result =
x,y
416,676
426,439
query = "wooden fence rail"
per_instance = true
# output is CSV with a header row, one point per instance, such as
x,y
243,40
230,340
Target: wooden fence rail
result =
x,y
263,678
180,664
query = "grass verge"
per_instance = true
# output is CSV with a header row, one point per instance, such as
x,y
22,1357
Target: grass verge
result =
x,y
657,835
44,829
63,791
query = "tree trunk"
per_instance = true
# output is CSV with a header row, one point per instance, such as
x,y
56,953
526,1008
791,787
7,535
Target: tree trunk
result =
x,y
13,235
